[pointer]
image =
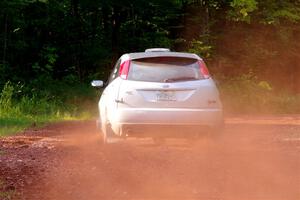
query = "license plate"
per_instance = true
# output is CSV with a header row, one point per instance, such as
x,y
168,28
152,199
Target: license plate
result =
x,y
166,96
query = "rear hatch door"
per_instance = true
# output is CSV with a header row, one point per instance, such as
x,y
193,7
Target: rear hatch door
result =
x,y
167,82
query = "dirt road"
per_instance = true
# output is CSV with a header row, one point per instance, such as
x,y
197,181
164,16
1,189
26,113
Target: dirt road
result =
x,y
255,159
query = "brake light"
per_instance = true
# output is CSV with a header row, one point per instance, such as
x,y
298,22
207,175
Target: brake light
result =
x,y
124,69
203,69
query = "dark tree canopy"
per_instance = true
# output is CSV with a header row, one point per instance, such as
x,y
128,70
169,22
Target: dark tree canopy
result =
x,y
81,39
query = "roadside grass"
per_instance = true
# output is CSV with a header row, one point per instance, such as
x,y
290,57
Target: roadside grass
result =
x,y
248,95
10,125
18,112
14,124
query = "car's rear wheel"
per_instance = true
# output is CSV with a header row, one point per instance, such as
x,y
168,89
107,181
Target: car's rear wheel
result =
x,y
107,134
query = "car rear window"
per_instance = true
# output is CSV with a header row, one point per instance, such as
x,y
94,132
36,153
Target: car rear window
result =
x,y
164,69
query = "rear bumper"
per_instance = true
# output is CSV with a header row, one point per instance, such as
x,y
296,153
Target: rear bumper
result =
x,y
153,120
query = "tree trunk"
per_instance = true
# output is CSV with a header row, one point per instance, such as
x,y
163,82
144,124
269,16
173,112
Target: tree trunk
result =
x,y
5,39
77,26
105,20
116,23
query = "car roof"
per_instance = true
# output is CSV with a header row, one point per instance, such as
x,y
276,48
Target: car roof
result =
x,y
134,56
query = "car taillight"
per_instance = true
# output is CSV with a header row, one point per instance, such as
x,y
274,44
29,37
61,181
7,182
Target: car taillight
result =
x,y
124,69
203,69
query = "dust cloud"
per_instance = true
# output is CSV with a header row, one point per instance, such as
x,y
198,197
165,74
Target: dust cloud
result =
x,y
255,158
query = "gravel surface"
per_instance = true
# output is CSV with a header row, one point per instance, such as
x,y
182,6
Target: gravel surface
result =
x,y
256,158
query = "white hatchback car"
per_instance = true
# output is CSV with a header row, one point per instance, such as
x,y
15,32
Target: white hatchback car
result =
x,y
158,93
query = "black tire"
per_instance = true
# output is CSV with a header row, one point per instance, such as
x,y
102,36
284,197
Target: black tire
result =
x,y
107,134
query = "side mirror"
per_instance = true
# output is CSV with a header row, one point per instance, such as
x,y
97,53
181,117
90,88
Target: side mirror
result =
x,y
97,83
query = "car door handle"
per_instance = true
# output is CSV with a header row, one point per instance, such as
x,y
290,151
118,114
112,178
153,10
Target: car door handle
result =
x,y
119,100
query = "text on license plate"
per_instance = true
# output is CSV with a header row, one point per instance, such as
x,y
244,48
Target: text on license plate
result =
x,y
166,96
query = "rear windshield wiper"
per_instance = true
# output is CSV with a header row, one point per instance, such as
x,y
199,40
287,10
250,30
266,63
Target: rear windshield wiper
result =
x,y
179,79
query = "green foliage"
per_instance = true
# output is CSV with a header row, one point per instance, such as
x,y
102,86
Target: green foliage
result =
x,y
199,48
81,38
49,57
19,110
247,94
241,9
276,12
6,98
244,94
